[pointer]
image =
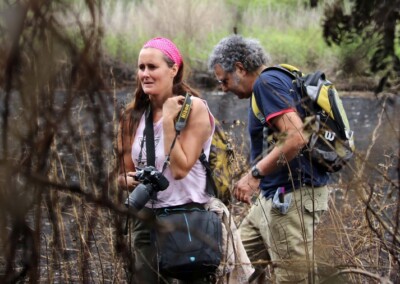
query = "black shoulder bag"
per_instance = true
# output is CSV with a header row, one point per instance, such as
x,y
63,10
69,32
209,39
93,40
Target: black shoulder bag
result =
x,y
188,237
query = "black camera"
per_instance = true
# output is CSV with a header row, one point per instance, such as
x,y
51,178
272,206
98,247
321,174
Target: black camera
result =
x,y
152,181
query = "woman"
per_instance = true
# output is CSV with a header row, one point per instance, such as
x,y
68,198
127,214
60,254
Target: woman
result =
x,y
160,87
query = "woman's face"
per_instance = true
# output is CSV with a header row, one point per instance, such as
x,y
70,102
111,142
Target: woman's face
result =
x,y
155,76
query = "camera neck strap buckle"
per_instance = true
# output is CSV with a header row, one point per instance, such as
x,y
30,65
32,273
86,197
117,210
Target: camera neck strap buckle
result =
x,y
183,114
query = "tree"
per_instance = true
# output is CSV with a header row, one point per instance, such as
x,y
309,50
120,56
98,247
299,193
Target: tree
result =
x,y
368,19
313,3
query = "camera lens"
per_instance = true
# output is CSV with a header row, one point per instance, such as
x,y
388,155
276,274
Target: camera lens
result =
x,y
152,182
138,198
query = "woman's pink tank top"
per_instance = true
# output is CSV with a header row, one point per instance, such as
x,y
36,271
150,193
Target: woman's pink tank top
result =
x,y
189,189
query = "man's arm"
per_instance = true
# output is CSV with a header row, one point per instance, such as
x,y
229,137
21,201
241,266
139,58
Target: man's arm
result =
x,y
292,140
290,127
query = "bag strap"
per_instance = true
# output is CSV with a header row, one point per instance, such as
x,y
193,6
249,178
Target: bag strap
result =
x,y
211,187
179,125
297,79
287,69
149,132
256,110
183,116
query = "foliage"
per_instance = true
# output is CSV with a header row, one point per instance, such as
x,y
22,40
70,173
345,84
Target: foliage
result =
x,y
294,48
198,25
366,20
120,48
261,4
354,58
188,23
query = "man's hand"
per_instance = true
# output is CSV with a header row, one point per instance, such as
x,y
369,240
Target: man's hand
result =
x,y
246,187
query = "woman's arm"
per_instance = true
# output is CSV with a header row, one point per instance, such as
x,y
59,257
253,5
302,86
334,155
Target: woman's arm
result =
x,y
189,143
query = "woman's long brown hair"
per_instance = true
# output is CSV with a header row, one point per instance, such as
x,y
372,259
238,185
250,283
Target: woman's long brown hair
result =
x,y
131,116
136,108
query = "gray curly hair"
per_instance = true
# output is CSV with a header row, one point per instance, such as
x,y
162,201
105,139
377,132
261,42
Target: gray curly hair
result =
x,y
234,49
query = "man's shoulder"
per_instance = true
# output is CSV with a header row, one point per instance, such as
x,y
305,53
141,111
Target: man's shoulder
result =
x,y
275,74
272,80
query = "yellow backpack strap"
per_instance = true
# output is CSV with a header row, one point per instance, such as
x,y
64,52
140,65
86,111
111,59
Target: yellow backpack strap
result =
x,y
291,68
287,68
256,109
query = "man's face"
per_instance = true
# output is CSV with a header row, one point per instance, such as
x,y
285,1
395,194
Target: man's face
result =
x,y
232,82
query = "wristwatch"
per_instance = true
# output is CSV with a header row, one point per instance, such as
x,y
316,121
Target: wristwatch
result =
x,y
256,172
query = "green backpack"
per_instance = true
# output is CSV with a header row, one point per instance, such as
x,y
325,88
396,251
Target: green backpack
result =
x,y
331,144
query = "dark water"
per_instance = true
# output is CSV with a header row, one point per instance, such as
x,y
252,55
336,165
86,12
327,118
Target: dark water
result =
x,y
365,113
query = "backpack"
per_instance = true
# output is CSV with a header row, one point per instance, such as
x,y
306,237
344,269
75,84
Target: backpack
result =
x,y
331,144
221,163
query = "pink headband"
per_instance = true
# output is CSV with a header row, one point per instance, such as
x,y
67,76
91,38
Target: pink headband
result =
x,y
167,47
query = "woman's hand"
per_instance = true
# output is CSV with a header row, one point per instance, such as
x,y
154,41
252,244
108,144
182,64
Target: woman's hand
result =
x,y
129,181
172,106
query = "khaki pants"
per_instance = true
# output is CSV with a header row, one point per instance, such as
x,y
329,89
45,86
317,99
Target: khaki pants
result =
x,y
285,239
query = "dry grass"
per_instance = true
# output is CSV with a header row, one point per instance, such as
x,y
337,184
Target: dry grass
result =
x,y
360,236
190,24
196,26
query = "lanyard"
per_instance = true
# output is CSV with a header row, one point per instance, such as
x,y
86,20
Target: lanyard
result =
x,y
148,133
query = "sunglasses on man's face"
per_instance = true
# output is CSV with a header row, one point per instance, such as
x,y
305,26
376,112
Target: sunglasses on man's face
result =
x,y
223,81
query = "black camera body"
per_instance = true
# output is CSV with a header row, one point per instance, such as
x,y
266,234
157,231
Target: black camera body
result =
x,y
152,181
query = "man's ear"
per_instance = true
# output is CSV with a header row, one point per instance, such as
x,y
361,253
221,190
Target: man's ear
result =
x,y
240,68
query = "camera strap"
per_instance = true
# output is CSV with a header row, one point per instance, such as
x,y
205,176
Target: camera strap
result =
x,y
148,137
149,133
183,114
180,124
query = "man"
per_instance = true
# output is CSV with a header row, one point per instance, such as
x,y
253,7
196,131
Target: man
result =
x,y
279,229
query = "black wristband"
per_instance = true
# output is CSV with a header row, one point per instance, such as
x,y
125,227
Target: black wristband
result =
x,y
255,172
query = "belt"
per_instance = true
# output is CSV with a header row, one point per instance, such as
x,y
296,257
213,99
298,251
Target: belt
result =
x,y
183,207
